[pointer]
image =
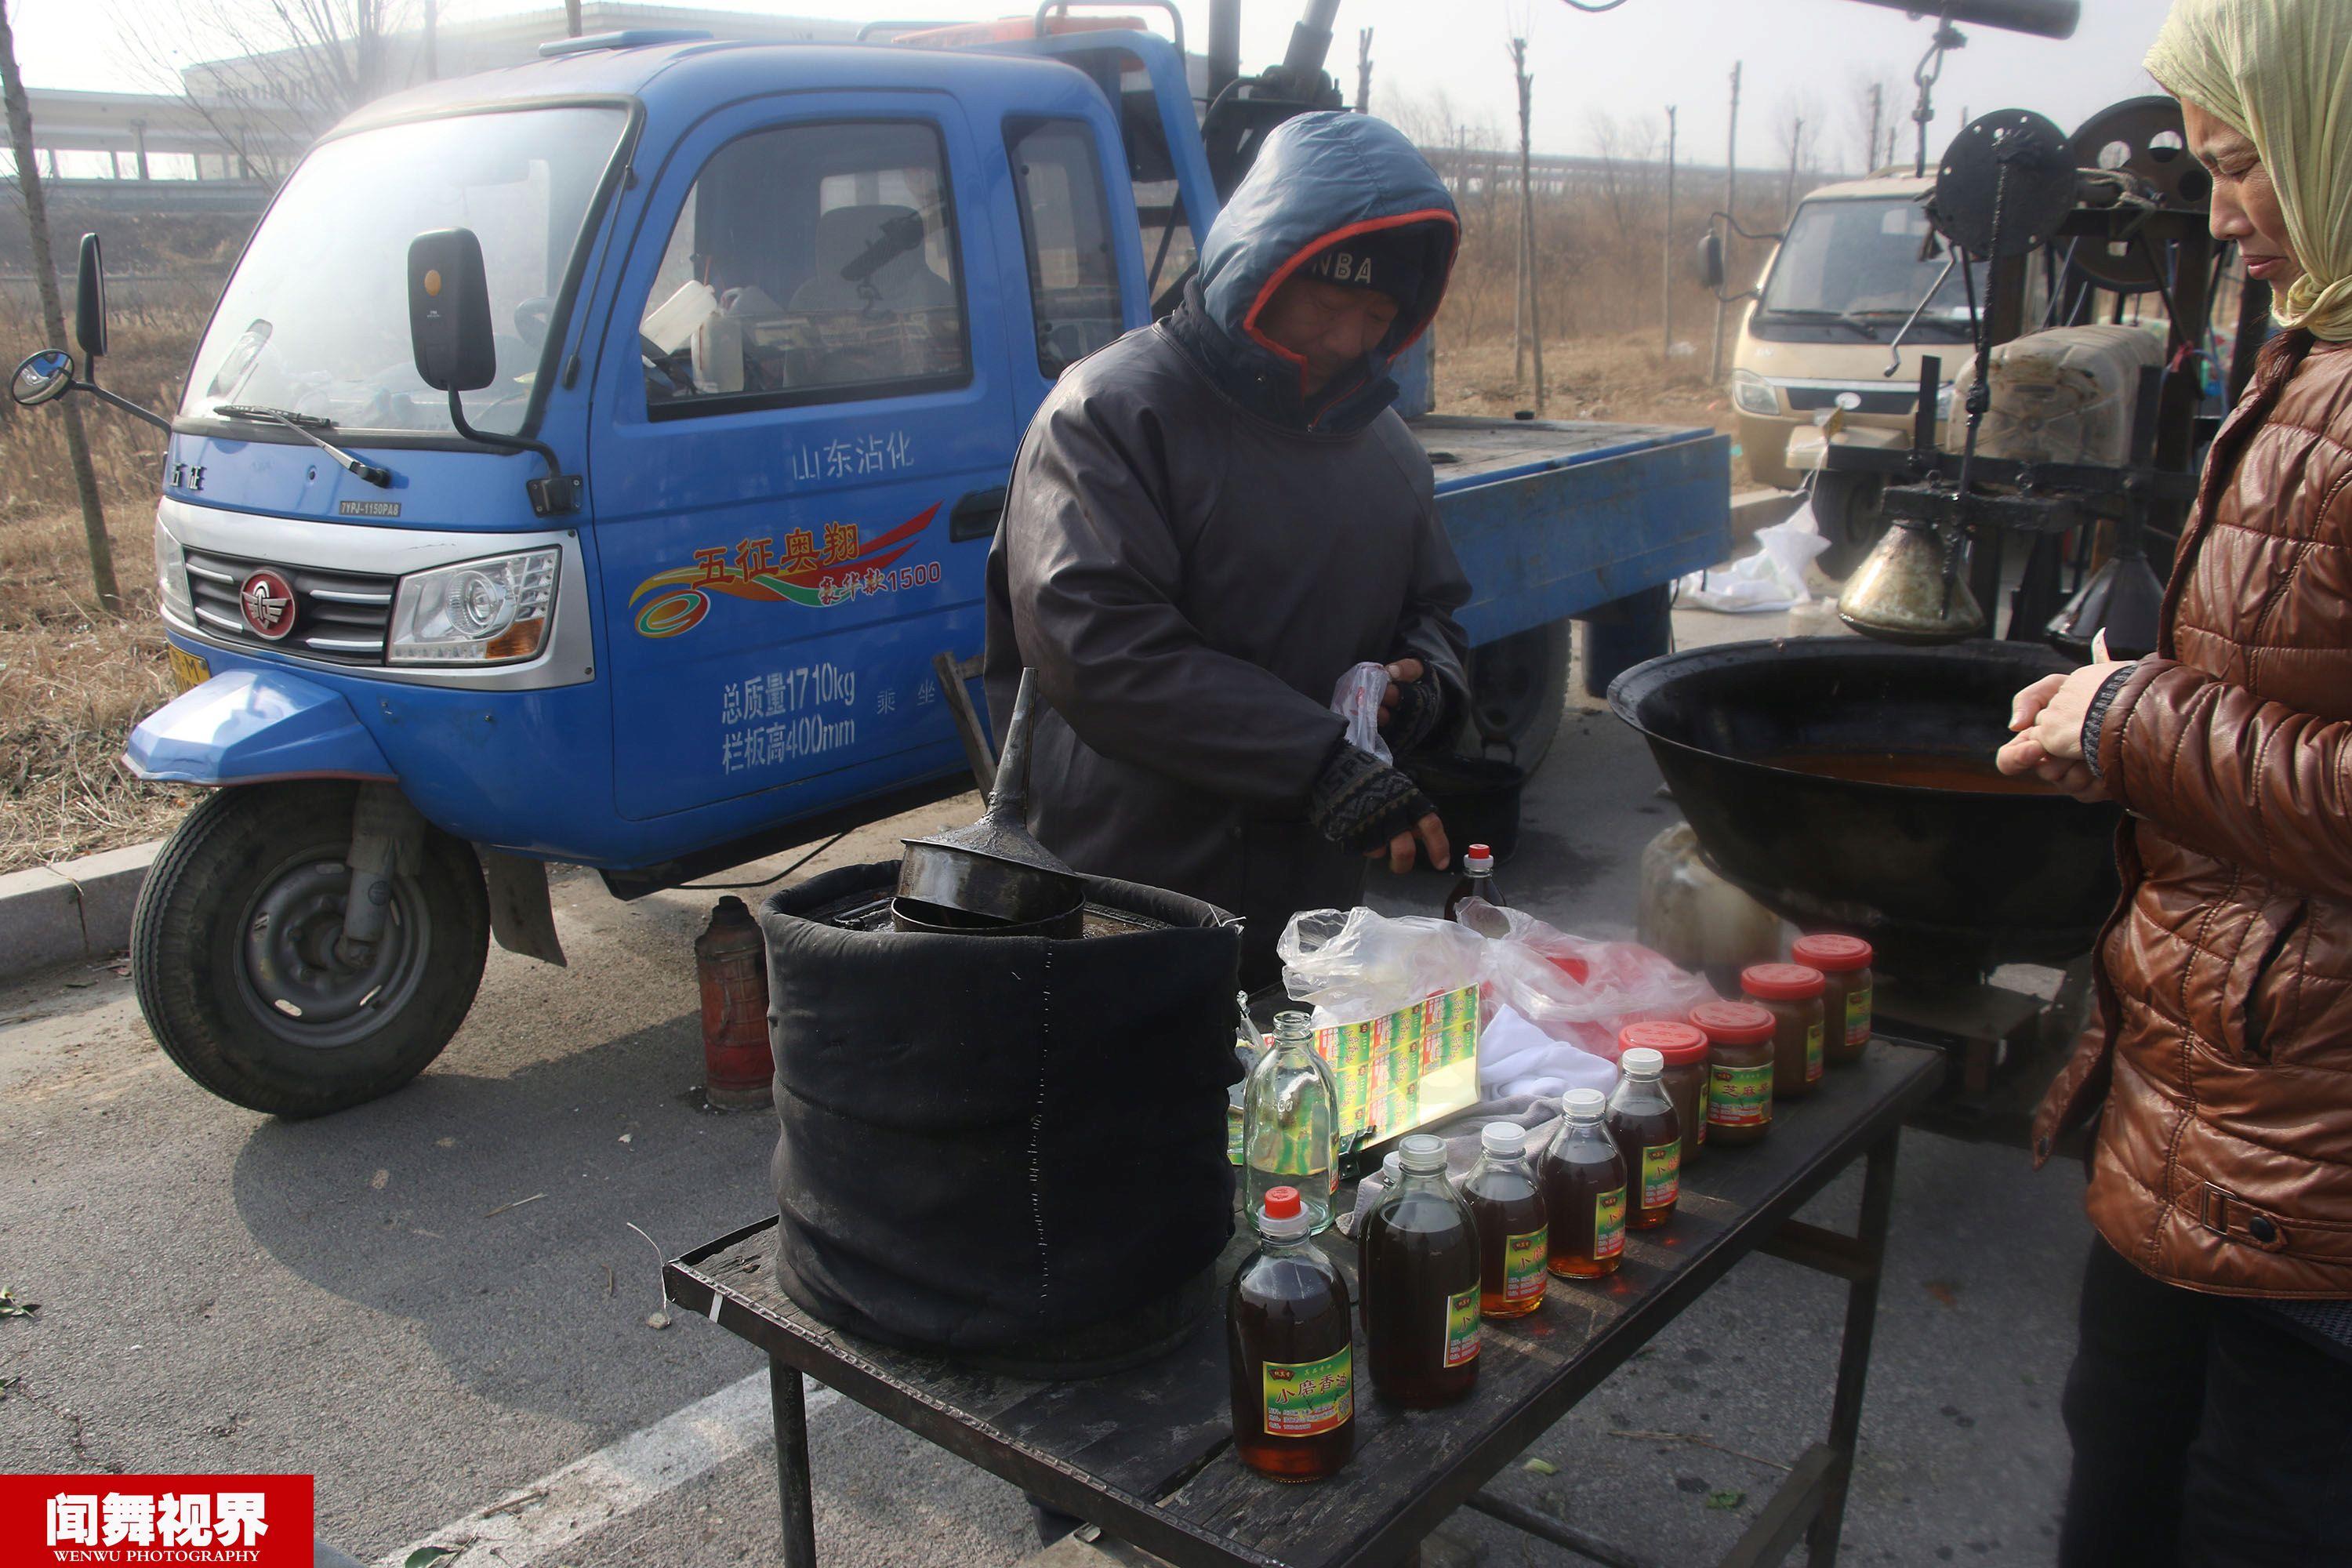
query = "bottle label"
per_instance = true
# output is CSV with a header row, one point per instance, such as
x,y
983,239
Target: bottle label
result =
x,y
1609,1225
1662,1174
1461,1327
1233,1134
1857,1016
1304,1398
1739,1097
1523,1265
1813,1054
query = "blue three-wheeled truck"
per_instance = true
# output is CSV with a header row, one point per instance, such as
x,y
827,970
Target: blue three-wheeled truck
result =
x,y
586,462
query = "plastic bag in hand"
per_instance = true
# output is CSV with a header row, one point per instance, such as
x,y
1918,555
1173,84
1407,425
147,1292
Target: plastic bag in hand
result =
x,y
1351,966
1357,699
1579,990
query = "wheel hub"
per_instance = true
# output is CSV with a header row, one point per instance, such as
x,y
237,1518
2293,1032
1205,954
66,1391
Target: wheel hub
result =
x,y
306,982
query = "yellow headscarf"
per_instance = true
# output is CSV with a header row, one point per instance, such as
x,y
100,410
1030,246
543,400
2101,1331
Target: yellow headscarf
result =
x,y
2280,71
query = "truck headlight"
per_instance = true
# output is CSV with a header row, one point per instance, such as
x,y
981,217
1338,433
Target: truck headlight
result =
x,y
171,573
483,612
1751,393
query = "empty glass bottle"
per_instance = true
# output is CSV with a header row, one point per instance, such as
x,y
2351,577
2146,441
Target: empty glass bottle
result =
x,y
1289,1109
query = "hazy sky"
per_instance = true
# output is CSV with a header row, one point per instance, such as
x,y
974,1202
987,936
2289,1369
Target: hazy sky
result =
x,y
1799,56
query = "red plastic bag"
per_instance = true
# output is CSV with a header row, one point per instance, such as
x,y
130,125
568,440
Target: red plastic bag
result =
x,y
1577,990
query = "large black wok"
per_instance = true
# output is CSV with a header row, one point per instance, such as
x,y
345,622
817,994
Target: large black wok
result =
x,y
1946,882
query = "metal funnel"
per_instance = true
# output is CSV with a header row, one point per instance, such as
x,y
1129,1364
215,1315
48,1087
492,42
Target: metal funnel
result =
x,y
994,869
1907,591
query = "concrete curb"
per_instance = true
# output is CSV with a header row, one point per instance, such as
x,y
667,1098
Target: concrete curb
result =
x,y
80,909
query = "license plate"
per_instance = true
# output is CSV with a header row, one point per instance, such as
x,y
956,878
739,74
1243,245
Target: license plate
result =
x,y
189,670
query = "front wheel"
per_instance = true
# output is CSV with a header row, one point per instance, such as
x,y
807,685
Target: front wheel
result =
x,y
1519,690
233,949
1850,511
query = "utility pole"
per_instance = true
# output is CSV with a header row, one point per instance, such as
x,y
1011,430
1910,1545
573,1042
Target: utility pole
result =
x,y
1534,318
432,40
53,317
1731,196
1878,108
1364,72
1789,191
572,19
1666,247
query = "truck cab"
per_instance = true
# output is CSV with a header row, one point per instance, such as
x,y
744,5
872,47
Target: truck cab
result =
x,y
1816,345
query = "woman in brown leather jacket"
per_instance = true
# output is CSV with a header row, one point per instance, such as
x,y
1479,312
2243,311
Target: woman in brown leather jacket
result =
x,y
2211,1401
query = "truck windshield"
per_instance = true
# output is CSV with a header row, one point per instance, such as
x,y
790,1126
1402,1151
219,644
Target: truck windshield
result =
x,y
1860,257
316,318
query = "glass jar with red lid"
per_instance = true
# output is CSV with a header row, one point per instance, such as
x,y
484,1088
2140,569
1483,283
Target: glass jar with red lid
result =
x,y
1844,962
1791,993
1740,1037
1684,1048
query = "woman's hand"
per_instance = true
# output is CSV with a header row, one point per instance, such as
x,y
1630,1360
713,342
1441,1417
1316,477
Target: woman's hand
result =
x,y
2047,717
1401,674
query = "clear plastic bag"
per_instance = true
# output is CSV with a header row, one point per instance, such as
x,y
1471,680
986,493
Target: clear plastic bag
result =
x,y
1354,964
1579,991
1357,699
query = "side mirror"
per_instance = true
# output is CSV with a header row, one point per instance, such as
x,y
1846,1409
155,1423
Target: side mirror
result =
x,y
449,311
42,377
89,299
1708,258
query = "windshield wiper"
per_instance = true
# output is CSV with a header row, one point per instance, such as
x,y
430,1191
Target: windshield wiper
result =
x,y
307,426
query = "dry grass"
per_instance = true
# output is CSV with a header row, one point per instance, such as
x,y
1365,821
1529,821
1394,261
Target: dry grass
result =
x,y
73,680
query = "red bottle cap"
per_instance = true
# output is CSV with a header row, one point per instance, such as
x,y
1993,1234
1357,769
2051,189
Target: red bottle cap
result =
x,y
1282,1203
1833,953
1734,1023
1480,852
1680,1044
1782,982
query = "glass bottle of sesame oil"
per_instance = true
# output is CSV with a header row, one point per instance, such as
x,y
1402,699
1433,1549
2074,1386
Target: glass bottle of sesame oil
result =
x,y
1291,1350
1419,1275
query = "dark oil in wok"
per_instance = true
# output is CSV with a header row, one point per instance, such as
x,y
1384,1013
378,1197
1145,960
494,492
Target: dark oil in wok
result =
x,y
1965,774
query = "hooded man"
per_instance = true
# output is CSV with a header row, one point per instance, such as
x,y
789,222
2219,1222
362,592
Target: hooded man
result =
x,y
1212,520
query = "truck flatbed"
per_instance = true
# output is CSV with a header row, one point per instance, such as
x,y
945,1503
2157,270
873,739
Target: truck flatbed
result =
x,y
1554,518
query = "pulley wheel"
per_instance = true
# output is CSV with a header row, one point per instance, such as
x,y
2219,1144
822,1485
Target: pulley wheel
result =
x,y
2039,191
2141,139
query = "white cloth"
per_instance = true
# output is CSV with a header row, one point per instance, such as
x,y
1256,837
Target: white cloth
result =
x,y
1516,1058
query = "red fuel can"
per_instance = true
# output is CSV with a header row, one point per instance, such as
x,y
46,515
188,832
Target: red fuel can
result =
x,y
730,961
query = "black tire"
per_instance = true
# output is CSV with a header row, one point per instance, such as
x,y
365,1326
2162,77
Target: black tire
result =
x,y
217,976
1850,510
1519,690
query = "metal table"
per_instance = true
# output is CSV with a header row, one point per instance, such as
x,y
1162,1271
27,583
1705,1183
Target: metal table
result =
x,y
1147,1454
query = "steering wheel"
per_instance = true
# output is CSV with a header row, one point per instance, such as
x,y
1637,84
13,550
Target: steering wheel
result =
x,y
531,317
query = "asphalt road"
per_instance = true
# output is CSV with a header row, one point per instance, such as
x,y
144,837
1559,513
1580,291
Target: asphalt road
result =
x,y
434,1301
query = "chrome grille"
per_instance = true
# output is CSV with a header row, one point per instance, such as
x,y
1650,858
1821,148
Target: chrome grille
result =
x,y
338,615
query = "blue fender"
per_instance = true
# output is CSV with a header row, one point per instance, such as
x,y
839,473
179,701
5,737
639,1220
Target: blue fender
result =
x,y
249,726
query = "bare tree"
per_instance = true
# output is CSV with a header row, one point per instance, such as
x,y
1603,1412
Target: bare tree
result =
x,y
286,69
1875,102
53,317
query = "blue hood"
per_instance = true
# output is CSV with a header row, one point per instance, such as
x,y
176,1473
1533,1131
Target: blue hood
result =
x,y
1317,179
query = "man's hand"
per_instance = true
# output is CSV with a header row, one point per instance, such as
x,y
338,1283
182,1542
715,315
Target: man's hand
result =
x,y
1429,834
1401,674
